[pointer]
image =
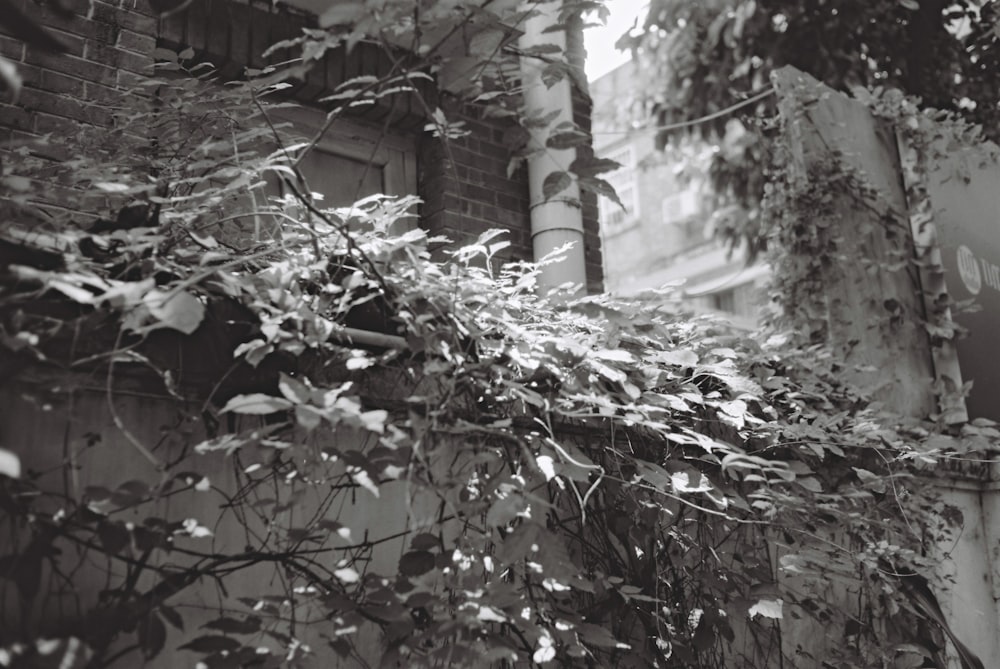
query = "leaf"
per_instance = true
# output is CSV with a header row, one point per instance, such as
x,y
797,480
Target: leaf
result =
x,y
257,404
768,608
547,465
506,508
293,389
601,187
342,14
112,187
613,355
205,241
25,568
488,614
518,543
152,635
10,78
113,536
212,644
567,139
180,311
655,475
162,54
10,464
573,463
362,478
94,493
226,442
130,493
544,653
15,182
425,541
540,120
555,183
865,476
347,575
516,137
591,166
308,417
704,636
337,528
679,358
735,408
810,483
342,647
194,529
172,617
690,480
358,361
595,635
415,563
541,49
226,625
374,421
553,73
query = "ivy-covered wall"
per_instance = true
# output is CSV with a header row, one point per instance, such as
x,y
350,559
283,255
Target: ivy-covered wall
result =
x,y
858,268
67,413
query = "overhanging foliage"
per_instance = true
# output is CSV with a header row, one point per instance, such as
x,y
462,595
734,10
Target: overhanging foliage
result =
x,y
612,483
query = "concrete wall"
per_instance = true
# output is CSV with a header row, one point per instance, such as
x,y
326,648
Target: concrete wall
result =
x,y
869,234
72,443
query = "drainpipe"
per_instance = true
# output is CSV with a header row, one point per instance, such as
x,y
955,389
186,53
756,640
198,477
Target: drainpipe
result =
x,y
559,220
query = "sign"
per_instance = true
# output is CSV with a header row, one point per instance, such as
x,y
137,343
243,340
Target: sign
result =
x,y
964,190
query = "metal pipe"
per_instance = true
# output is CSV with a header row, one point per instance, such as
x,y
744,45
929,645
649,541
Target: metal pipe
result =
x,y
558,220
369,338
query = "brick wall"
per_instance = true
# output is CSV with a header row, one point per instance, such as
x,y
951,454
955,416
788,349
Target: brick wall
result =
x,y
582,110
466,189
464,183
104,53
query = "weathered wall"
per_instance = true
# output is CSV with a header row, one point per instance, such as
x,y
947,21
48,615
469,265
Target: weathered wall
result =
x,y
870,241
870,233
105,53
56,420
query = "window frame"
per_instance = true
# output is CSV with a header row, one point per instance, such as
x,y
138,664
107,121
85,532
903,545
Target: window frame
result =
x,y
392,151
675,202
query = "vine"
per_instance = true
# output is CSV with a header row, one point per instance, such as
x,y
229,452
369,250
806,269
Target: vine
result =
x,y
582,482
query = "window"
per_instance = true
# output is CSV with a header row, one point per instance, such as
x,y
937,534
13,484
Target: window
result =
x,y
352,160
623,180
724,301
741,300
679,207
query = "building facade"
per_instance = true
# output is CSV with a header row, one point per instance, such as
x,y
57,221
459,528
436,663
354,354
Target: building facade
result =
x,y
465,187
664,232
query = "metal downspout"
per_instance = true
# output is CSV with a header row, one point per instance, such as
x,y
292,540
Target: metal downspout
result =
x,y
559,220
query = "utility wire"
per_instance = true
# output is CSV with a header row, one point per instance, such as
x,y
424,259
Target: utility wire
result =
x,y
704,119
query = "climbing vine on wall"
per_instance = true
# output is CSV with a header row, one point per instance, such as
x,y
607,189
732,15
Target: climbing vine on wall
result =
x,y
581,482
808,201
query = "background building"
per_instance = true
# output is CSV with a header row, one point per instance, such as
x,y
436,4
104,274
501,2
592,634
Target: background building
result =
x,y
664,233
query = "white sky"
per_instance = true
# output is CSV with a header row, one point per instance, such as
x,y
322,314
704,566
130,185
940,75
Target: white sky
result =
x,y
602,57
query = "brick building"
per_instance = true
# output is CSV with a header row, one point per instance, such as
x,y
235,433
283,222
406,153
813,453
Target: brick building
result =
x,y
464,184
